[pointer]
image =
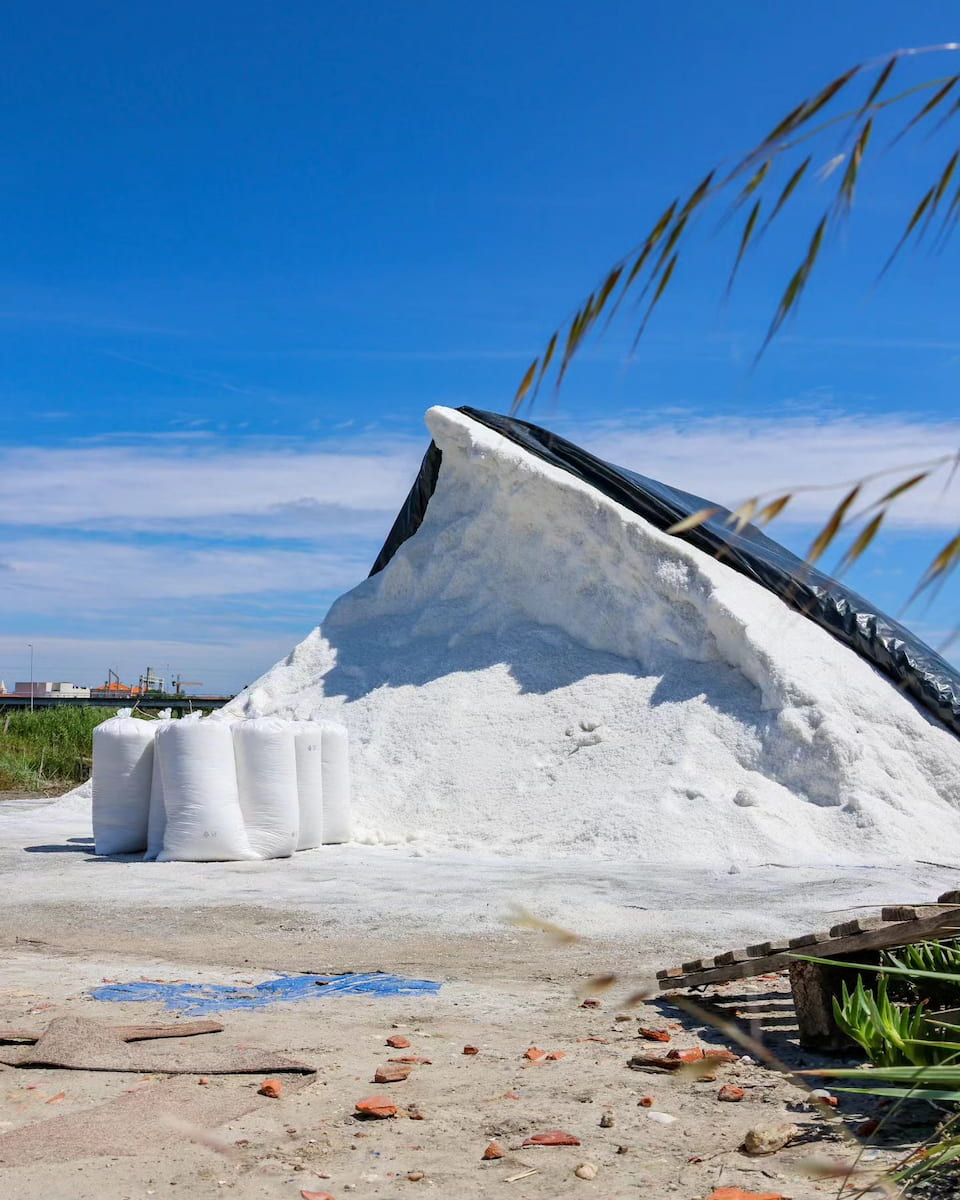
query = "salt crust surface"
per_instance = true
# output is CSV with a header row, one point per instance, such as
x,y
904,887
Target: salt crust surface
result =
x,y
540,672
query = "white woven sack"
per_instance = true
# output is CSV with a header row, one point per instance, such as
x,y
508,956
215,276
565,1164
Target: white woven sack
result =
x,y
122,771
308,739
267,781
337,816
204,821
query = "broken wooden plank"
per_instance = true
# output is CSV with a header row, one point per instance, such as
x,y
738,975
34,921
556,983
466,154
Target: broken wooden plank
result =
x,y
814,987
765,949
670,973
729,957
942,923
808,939
949,898
857,925
695,965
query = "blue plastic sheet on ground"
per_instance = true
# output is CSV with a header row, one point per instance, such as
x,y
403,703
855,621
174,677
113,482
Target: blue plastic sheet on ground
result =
x,y
196,999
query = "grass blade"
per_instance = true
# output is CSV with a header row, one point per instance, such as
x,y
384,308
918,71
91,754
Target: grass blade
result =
x,y
695,519
834,522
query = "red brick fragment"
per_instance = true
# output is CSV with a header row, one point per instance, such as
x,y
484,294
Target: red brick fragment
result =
x,y
494,1150
376,1106
471,1050
392,1074
733,1193
645,1102
731,1092
398,1042
653,1035
556,1055
534,1054
511,1095
411,1058
315,1195
555,1137
272,1088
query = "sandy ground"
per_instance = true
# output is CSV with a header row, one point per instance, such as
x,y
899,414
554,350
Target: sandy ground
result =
x,y
70,920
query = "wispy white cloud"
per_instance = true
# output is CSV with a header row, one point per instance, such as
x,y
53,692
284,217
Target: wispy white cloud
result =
x,y
206,545
729,459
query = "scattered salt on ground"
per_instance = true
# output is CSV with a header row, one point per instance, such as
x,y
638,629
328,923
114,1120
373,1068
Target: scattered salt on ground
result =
x,y
540,672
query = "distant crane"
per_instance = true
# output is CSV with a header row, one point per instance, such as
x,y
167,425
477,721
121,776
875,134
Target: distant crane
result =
x,y
179,684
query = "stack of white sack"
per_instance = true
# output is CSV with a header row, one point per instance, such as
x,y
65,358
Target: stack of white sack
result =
x,y
219,790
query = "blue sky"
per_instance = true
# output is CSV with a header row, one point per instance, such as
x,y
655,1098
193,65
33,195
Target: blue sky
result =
x,y
245,246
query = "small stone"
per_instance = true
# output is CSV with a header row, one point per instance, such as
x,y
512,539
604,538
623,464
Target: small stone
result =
x,y
511,1095
653,1035
645,1102
661,1118
392,1073
398,1042
623,1149
272,1088
606,1121
376,1106
590,1004
586,1170
731,1092
471,1050
769,1138
623,1017
555,1137
534,1054
203,1081
416,1176
493,1150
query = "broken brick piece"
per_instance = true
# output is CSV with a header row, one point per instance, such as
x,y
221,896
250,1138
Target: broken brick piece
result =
x,y
733,1193
411,1058
555,1137
590,1004
376,1106
556,1055
392,1074
534,1054
653,1035
398,1042
731,1092
494,1150
693,1054
272,1088
471,1050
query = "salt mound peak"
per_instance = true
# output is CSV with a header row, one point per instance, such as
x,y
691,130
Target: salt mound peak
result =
x,y
539,670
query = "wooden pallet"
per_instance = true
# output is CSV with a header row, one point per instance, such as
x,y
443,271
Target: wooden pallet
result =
x,y
814,985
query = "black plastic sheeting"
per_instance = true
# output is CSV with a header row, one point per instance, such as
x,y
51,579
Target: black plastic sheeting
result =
x,y
911,664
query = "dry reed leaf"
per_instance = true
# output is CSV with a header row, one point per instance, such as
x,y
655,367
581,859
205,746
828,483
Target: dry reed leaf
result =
x,y
522,919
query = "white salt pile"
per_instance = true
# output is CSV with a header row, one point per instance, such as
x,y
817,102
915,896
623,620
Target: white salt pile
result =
x,y
539,671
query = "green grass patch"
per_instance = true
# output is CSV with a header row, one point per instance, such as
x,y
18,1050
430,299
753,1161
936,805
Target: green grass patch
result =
x,y
47,748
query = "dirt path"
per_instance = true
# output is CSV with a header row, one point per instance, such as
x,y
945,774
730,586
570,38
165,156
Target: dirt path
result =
x,y
499,998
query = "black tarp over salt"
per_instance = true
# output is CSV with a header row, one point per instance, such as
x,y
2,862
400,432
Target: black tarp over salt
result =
x,y
912,665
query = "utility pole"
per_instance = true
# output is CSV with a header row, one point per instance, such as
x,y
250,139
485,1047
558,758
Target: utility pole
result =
x,y
31,675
